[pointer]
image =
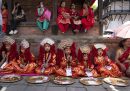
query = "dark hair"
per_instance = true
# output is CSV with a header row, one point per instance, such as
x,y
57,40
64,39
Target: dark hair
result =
x,y
19,10
5,5
88,3
121,43
16,3
62,2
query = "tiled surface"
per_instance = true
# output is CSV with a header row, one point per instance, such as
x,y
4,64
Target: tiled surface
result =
x,y
50,86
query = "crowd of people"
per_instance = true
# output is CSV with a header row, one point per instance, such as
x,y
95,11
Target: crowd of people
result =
x,y
63,60
80,20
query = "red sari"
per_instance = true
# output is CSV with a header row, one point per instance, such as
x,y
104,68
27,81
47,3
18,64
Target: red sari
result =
x,y
63,63
12,56
26,63
125,56
84,65
87,20
46,58
63,20
75,22
106,67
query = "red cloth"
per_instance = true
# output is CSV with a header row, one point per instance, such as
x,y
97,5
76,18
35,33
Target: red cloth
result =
x,y
42,54
63,23
74,14
124,57
88,21
27,56
81,60
60,54
13,54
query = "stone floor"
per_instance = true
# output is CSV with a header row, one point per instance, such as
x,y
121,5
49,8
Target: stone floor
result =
x,y
50,86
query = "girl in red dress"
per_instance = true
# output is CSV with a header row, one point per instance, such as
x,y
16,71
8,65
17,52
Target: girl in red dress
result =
x,y
47,57
63,19
87,16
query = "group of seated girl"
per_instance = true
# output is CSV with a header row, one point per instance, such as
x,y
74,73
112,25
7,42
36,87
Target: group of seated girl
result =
x,y
92,62
79,20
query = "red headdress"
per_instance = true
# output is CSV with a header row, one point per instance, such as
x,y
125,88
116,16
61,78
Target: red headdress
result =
x,y
84,49
62,45
28,58
42,50
13,54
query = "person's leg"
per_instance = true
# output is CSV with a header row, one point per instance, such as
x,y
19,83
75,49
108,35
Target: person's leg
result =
x,y
4,28
61,27
66,27
39,24
45,25
73,28
16,23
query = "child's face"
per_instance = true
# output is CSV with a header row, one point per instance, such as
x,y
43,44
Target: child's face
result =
x,y
85,56
63,4
47,47
23,49
100,52
7,46
67,50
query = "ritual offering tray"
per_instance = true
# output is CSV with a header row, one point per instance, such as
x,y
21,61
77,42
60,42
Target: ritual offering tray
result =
x,y
91,81
64,80
37,79
116,81
10,78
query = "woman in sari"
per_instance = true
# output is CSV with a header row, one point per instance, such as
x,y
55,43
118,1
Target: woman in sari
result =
x,y
75,20
63,19
47,57
123,56
43,17
105,66
9,54
5,17
85,64
66,58
87,16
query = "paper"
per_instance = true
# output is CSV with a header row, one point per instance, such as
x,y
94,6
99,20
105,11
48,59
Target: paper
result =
x,y
108,67
38,81
42,69
89,74
66,82
3,65
92,82
68,72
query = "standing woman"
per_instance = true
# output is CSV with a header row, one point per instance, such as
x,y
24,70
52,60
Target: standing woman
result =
x,y
18,15
47,57
63,19
5,17
123,56
87,16
43,17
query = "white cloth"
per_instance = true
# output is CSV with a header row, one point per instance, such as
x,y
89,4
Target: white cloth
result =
x,y
0,12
